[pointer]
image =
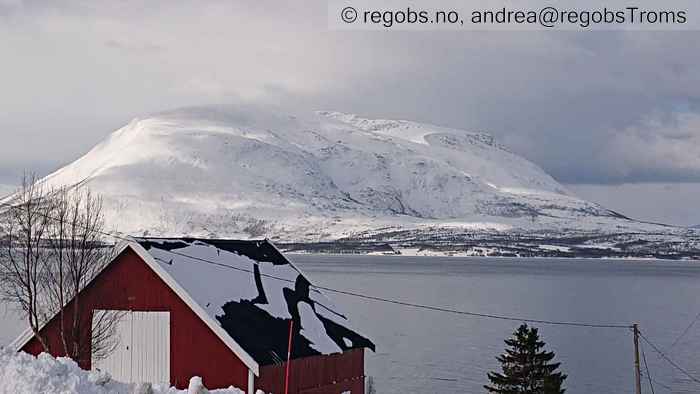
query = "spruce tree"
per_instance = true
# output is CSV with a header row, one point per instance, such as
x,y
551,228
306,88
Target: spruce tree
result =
x,y
526,367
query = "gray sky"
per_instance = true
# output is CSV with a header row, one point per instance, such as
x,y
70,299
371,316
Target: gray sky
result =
x,y
593,108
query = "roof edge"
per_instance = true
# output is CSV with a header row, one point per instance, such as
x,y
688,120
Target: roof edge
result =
x,y
246,358
317,289
237,349
22,339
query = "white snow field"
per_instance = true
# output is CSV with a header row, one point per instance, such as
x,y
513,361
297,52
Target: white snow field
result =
x,y
248,172
21,373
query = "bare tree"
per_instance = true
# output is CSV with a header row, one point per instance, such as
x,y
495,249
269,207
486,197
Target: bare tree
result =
x,y
77,253
24,256
55,245
105,337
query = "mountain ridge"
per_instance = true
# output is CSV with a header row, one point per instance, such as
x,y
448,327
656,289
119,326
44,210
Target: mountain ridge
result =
x,y
321,177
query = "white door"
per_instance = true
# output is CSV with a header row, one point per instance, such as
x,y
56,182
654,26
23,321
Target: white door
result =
x,y
142,350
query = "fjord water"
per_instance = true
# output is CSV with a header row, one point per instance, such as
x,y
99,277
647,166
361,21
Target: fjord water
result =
x,y
420,351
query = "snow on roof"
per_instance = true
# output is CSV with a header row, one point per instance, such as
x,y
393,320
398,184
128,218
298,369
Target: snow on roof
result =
x,y
253,291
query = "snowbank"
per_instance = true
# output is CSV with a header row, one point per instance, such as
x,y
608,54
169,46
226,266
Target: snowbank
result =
x,y
21,373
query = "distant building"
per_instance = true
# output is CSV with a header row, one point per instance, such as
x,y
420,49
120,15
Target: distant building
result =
x,y
219,309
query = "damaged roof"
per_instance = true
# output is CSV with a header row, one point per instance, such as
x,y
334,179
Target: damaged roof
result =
x,y
253,292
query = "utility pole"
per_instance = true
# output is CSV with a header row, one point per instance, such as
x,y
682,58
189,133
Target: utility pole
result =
x,y
637,372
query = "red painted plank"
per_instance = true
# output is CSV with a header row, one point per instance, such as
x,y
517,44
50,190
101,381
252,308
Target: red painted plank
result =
x,y
332,374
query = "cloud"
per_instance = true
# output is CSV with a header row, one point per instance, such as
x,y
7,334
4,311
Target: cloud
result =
x,y
595,107
658,149
125,46
670,203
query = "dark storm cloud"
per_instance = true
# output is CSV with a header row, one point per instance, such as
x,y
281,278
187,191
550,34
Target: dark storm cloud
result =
x,y
592,107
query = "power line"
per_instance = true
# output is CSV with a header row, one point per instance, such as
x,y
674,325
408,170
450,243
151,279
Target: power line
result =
x,y
646,366
667,387
668,360
475,314
368,297
685,331
414,305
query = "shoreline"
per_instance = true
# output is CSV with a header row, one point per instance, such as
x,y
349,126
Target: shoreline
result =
x,y
341,249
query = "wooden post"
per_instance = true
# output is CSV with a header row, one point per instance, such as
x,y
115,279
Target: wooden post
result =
x,y
637,372
289,356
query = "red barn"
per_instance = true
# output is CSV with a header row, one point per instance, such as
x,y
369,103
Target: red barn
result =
x,y
219,309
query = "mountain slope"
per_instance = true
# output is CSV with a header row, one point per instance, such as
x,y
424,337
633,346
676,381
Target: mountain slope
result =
x,y
250,172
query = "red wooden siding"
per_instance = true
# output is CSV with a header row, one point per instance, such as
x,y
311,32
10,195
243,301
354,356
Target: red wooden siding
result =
x,y
331,374
129,284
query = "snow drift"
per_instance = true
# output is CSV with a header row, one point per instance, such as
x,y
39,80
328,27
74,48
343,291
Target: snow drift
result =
x,y
21,373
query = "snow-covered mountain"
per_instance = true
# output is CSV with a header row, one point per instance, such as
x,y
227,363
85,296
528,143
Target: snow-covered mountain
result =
x,y
325,176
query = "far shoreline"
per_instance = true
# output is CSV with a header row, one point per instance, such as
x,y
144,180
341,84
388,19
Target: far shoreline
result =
x,y
475,257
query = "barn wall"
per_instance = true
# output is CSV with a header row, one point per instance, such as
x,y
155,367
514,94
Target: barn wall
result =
x,y
129,284
333,374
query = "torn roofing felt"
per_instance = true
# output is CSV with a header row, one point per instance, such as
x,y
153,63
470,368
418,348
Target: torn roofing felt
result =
x,y
253,291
